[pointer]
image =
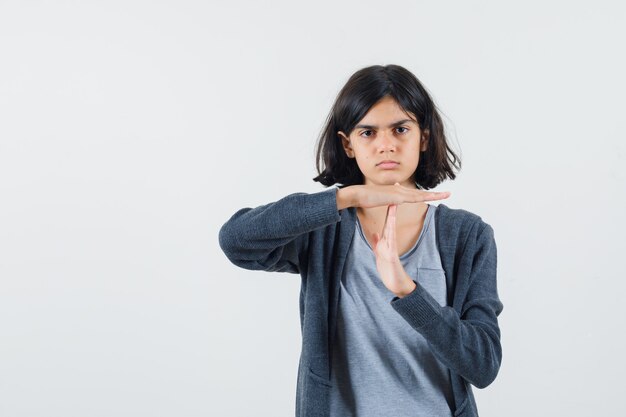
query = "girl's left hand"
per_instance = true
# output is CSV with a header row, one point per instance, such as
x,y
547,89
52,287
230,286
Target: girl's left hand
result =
x,y
388,263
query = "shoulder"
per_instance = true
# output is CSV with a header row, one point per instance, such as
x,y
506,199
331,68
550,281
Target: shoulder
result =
x,y
459,222
457,215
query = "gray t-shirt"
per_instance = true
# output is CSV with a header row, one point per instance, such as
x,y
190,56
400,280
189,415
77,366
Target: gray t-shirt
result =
x,y
381,366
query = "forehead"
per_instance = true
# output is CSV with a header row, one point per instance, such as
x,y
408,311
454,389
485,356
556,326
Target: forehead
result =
x,y
384,112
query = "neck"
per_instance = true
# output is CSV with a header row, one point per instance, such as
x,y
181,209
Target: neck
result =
x,y
406,212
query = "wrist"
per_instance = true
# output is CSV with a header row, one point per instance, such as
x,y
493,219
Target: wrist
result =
x,y
411,286
345,197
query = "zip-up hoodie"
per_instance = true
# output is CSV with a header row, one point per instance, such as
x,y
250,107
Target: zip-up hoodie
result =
x,y
306,234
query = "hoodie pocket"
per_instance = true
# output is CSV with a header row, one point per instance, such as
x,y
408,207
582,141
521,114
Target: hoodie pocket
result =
x,y
461,410
319,379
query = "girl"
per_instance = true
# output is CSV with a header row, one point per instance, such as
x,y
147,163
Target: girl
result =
x,y
398,300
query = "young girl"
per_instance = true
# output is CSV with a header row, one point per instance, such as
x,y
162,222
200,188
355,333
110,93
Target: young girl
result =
x,y
398,300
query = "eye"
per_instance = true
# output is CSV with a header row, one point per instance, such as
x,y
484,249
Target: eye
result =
x,y
367,136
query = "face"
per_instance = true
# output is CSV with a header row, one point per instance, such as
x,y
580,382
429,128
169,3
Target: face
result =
x,y
386,133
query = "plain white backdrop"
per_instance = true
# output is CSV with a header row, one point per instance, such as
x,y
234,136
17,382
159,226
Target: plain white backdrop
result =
x,y
130,131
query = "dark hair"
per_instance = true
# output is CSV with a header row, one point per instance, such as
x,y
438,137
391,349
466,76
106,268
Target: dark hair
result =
x,y
364,89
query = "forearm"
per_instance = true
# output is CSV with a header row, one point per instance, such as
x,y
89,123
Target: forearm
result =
x,y
466,340
264,237
471,347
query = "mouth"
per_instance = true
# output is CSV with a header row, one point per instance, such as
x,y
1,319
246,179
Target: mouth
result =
x,y
388,164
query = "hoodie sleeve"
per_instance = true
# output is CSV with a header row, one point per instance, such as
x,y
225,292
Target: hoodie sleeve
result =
x,y
468,344
271,237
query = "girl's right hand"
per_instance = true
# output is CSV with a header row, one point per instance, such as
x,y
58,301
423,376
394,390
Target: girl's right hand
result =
x,y
383,195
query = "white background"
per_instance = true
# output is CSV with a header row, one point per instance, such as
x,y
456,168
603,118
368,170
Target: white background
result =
x,y
130,131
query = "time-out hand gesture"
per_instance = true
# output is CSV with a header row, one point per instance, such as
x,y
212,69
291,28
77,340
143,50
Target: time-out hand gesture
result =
x,y
388,262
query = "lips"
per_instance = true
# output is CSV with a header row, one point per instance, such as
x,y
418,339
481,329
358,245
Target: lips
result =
x,y
387,161
388,165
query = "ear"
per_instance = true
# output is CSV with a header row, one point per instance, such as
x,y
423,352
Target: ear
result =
x,y
424,140
345,142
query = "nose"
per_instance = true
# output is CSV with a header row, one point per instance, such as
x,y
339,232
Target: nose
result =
x,y
387,142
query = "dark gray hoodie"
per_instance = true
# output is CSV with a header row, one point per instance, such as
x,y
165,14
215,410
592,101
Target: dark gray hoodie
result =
x,y
305,234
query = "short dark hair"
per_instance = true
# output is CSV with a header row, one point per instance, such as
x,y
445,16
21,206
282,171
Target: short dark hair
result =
x,y
364,89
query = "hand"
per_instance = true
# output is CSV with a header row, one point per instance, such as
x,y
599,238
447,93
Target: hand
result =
x,y
388,262
371,195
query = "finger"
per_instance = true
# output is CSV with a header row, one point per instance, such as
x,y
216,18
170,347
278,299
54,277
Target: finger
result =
x,y
391,225
432,195
443,194
385,223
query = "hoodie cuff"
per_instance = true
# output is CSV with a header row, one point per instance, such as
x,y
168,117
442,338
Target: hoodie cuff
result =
x,y
321,208
418,307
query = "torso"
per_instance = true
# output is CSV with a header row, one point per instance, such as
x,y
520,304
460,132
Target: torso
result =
x,y
407,229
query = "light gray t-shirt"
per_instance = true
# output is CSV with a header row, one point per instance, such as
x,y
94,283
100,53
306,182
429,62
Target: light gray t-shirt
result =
x,y
381,366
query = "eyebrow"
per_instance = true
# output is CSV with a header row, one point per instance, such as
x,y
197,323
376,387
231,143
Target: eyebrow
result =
x,y
394,124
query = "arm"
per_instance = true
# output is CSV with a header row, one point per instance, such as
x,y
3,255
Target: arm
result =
x,y
271,237
470,344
